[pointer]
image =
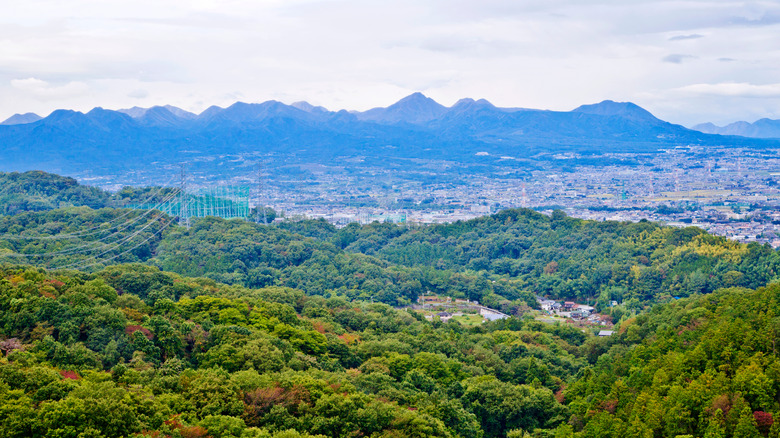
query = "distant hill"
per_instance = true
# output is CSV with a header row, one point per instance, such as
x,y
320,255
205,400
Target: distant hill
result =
x,y
138,112
626,110
20,119
415,108
416,127
764,128
40,191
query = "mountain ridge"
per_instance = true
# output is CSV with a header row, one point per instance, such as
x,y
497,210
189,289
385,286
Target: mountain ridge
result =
x,y
762,128
415,127
21,119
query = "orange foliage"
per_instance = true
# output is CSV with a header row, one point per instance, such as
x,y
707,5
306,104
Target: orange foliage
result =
x,y
350,338
320,327
186,431
47,293
626,323
608,406
259,402
722,402
67,374
129,330
559,395
132,314
55,284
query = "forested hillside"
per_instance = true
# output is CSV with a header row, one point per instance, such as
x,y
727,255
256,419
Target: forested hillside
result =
x,y
132,350
506,258
570,258
119,322
41,191
706,366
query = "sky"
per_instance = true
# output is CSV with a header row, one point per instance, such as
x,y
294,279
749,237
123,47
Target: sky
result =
x,y
685,61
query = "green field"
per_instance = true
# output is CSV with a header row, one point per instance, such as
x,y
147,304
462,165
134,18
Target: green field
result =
x,y
469,320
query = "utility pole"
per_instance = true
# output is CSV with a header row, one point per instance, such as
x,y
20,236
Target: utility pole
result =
x,y
184,213
524,197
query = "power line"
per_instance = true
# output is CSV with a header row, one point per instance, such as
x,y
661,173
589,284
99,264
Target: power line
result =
x,y
93,245
94,242
118,244
86,232
124,252
154,194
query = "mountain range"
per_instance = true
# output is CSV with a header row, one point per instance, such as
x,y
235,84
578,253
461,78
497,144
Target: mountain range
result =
x,y
416,127
764,128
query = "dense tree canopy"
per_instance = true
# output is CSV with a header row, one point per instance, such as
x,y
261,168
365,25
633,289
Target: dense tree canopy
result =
x,y
131,349
703,366
118,322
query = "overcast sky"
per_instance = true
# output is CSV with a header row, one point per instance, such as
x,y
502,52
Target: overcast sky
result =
x,y
685,61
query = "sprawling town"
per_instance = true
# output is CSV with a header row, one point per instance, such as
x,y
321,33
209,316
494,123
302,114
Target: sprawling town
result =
x,y
728,192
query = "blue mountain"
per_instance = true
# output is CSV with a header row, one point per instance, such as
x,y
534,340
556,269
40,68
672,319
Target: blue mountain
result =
x,y
21,119
161,116
415,127
415,108
625,110
763,128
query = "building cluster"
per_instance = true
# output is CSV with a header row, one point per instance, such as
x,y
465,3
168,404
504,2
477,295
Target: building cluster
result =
x,y
446,308
580,313
726,191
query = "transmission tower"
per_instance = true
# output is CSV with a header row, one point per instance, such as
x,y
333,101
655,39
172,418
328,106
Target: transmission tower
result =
x,y
259,201
184,213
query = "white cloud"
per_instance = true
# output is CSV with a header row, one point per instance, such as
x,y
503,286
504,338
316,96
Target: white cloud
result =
x,y
138,94
677,58
734,89
42,90
686,37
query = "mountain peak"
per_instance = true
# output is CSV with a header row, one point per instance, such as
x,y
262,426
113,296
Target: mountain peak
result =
x,y
63,114
178,112
110,120
252,113
627,110
309,108
468,102
134,112
418,101
162,116
137,112
21,119
414,108
414,97
763,128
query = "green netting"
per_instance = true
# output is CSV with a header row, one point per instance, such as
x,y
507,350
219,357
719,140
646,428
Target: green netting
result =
x,y
220,201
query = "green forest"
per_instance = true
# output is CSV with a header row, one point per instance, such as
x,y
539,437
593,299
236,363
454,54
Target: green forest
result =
x,y
118,322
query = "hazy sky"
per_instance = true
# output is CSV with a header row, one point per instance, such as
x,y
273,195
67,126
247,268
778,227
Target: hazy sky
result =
x,y
685,61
